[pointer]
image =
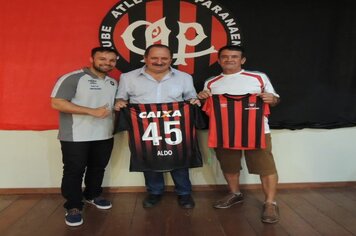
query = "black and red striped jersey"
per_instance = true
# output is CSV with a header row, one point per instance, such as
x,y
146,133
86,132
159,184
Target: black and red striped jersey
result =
x,y
161,136
236,121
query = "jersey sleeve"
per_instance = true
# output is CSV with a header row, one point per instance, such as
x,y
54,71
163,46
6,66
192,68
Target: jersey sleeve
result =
x,y
122,122
201,120
122,88
268,87
189,90
66,87
207,106
207,81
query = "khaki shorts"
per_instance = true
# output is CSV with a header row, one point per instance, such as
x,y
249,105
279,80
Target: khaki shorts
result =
x,y
258,161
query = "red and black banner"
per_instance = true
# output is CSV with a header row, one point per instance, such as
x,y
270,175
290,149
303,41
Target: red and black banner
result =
x,y
194,30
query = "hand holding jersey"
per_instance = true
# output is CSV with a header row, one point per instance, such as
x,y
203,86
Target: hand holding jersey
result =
x,y
120,103
204,94
269,98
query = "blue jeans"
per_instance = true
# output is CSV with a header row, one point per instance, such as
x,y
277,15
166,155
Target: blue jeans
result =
x,y
83,159
155,181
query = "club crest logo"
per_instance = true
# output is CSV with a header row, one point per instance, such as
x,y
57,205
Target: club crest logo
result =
x,y
194,30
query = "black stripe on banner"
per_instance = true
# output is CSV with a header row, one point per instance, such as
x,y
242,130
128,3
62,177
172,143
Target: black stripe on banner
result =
x,y
138,14
217,111
171,10
245,125
204,18
259,120
231,121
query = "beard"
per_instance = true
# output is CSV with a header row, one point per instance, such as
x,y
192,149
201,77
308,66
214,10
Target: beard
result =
x,y
102,69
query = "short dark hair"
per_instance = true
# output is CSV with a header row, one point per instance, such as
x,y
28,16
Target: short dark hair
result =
x,y
147,51
103,49
232,48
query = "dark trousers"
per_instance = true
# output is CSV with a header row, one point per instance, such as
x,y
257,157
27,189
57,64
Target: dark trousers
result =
x,y
90,158
155,181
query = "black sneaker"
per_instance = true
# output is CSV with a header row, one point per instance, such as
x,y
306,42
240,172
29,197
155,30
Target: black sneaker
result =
x,y
186,201
229,200
151,200
100,203
73,217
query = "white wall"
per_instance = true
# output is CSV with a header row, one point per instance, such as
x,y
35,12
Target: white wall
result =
x,y
32,159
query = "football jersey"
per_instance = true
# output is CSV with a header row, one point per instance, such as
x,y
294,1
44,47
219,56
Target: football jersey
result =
x,y
236,121
162,137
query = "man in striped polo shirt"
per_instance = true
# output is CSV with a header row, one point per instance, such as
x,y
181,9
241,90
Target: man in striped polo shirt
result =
x,y
231,117
85,99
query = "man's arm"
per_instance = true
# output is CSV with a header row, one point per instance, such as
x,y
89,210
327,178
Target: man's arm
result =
x,y
65,106
204,94
270,99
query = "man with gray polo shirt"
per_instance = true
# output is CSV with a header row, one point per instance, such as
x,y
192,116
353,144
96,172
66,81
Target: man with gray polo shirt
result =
x,y
84,99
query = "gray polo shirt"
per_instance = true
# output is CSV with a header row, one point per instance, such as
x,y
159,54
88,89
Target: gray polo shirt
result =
x,y
83,88
139,87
